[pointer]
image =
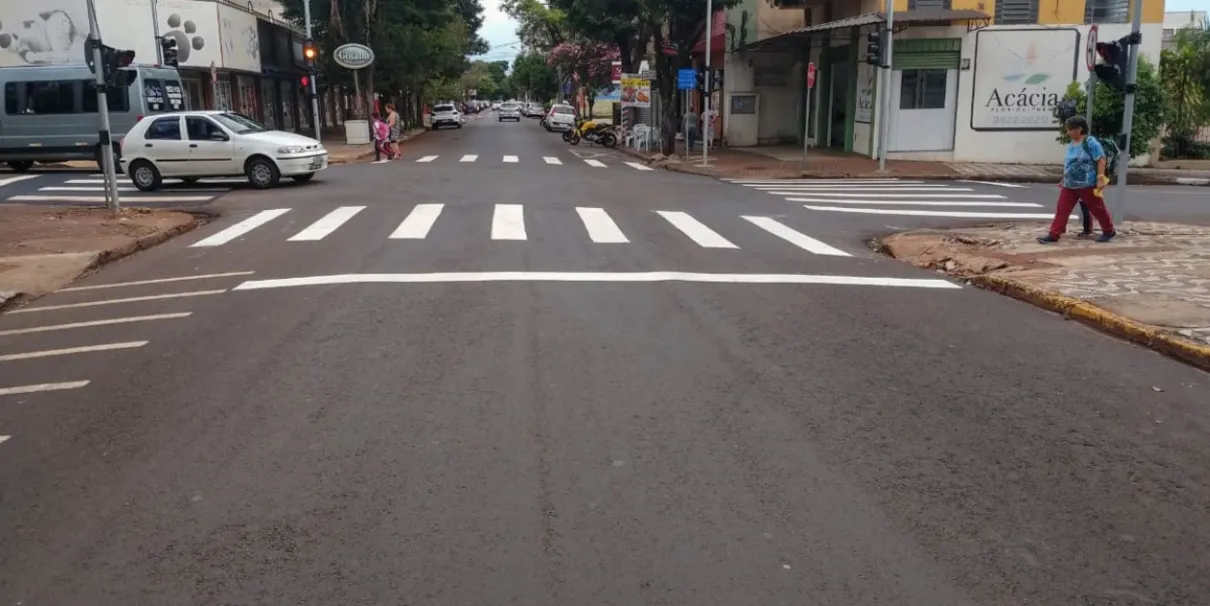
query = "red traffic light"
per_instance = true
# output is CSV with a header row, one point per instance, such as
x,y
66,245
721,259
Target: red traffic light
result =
x,y
304,81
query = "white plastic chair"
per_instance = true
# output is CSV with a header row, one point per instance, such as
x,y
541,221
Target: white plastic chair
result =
x,y
642,137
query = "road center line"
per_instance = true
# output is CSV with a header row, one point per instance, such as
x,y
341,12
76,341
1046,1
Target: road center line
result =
x,y
25,331
159,281
326,224
508,222
241,228
796,238
642,277
71,350
20,389
601,228
175,295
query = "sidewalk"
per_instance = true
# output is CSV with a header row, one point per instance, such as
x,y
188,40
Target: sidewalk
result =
x,y
42,249
785,162
1150,286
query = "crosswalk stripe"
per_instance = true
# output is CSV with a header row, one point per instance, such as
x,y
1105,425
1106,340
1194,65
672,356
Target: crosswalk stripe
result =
x,y
21,389
417,224
174,295
698,232
508,222
638,166
469,158
101,199
132,189
880,195
596,163
510,159
825,182
796,238
601,228
931,213
327,224
10,180
913,202
25,331
241,228
46,353
552,160
427,159
126,180
861,188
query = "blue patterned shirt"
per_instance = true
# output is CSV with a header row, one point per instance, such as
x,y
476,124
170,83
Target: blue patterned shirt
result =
x,y
1080,166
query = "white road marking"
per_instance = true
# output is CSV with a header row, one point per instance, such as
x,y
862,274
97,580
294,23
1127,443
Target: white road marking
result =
x,y
913,202
508,222
427,159
71,350
825,182
796,238
131,189
11,180
638,166
124,179
175,295
159,281
861,188
596,163
101,199
25,331
510,159
20,389
417,224
601,228
554,276
4,439
696,230
996,184
552,160
469,158
241,228
880,195
933,213
326,224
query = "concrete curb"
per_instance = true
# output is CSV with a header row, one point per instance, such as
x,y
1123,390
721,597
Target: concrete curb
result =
x,y
109,255
1119,326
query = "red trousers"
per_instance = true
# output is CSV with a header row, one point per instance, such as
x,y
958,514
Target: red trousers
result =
x,y
1068,198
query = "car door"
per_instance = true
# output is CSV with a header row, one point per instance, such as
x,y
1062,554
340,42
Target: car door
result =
x,y
211,151
164,144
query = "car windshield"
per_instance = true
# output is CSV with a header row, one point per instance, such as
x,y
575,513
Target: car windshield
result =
x,y
508,106
564,110
443,108
240,124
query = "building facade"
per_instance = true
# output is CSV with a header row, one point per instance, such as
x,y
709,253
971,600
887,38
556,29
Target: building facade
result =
x,y
972,80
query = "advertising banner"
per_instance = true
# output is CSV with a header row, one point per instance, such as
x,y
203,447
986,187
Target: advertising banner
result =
x,y
636,92
1020,75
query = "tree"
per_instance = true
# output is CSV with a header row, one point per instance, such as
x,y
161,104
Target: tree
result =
x,y
625,24
532,76
588,63
1185,73
1109,105
539,27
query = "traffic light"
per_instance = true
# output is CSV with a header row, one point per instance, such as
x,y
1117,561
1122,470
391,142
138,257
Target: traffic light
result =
x,y
169,50
304,82
874,48
311,55
1112,68
116,76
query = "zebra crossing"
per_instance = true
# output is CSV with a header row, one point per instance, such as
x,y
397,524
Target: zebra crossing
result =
x,y
519,160
90,189
896,197
508,223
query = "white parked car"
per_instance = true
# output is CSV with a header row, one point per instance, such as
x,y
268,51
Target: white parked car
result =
x,y
561,117
197,144
509,111
445,114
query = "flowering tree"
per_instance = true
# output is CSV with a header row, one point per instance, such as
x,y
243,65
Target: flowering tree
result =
x,y
588,64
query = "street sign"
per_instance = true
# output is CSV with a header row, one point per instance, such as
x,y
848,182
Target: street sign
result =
x,y
686,79
1090,50
810,75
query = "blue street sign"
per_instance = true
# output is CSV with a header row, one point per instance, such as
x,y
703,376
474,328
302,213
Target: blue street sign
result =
x,y
686,79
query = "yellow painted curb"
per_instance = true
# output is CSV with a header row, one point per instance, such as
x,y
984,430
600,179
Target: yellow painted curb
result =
x,y
1120,326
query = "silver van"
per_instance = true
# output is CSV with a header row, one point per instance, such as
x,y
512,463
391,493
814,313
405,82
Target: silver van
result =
x,y
50,111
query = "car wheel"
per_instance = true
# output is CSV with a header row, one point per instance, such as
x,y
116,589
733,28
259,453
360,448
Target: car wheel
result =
x,y
460,126
145,175
262,173
303,178
21,165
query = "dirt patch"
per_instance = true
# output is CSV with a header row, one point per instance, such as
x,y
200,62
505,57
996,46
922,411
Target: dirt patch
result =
x,y
34,230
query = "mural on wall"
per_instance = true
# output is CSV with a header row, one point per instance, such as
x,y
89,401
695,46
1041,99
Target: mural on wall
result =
x,y
194,26
240,40
42,34
1020,75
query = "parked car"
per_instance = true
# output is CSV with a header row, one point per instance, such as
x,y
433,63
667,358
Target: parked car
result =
x,y
193,145
445,114
509,111
560,118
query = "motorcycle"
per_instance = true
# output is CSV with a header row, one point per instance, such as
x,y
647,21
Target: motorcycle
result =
x,y
588,130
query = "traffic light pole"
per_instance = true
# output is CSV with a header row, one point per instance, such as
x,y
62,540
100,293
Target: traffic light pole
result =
x,y
707,123
112,202
1132,68
155,30
314,85
884,121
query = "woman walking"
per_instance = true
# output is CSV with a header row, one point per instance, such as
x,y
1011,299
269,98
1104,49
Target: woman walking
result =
x,y
1083,178
394,130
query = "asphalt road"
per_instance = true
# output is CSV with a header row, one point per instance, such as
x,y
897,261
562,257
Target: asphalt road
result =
x,y
503,405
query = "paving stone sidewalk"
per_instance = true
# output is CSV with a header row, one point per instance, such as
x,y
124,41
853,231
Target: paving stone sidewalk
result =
x,y
1155,276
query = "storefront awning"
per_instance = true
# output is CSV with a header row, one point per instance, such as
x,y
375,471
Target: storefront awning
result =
x,y
799,38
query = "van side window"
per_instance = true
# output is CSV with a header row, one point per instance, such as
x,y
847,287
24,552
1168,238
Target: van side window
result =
x,y
41,98
165,129
117,101
10,99
174,95
153,93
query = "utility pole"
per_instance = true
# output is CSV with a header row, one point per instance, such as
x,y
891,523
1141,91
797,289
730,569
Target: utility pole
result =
x,y
112,202
1132,67
314,86
884,122
155,29
707,122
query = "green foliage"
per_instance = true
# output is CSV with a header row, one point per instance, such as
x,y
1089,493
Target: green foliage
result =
x,y
1185,73
1109,105
533,77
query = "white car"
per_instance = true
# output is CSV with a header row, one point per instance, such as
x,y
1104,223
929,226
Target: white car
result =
x,y
446,114
561,117
509,111
196,144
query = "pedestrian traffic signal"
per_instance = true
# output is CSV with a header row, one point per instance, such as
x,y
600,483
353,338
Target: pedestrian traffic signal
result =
x,y
1112,68
115,62
874,48
311,54
169,51
304,82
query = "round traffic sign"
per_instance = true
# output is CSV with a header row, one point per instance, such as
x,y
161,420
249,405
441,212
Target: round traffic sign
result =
x,y
810,75
1090,50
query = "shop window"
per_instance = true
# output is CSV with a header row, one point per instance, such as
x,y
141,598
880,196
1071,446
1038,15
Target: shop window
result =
x,y
922,89
924,4
1106,11
1016,12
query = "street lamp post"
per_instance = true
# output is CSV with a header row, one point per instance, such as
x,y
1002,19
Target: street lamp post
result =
x,y
313,85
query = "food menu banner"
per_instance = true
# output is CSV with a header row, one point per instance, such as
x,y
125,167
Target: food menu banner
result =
x,y
636,92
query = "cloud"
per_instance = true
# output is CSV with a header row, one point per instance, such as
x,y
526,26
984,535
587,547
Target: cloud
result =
x,y
500,31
